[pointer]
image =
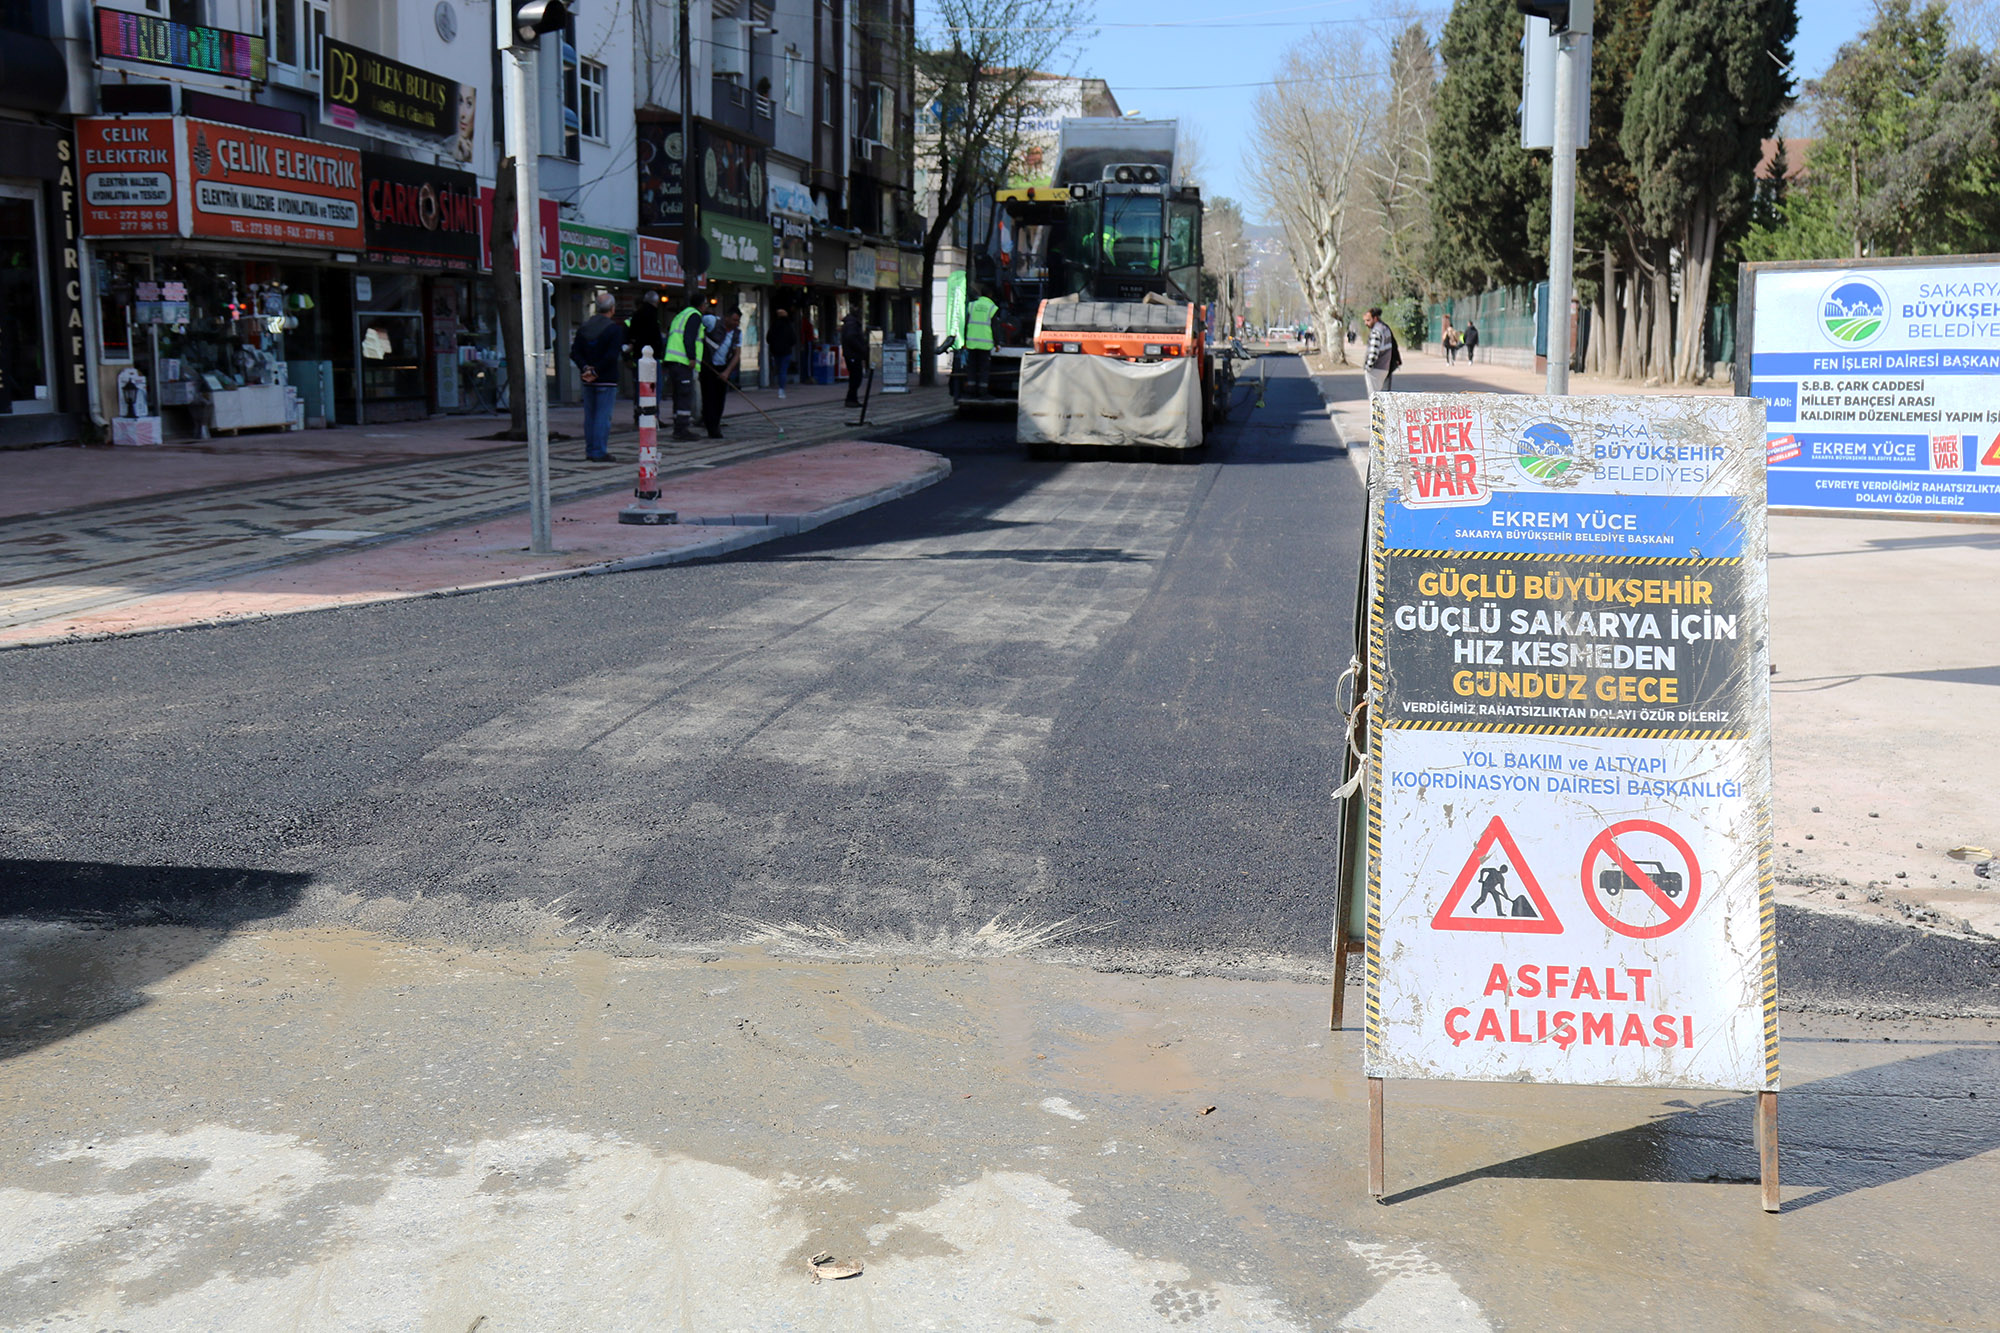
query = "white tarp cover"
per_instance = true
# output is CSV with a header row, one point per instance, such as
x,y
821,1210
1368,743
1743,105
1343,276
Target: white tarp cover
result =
x,y
1569,707
1068,398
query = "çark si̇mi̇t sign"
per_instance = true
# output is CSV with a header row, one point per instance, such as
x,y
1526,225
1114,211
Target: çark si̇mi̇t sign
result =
x,y
423,216
1569,717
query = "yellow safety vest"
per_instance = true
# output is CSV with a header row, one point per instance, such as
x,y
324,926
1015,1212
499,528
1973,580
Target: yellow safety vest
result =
x,y
676,348
979,325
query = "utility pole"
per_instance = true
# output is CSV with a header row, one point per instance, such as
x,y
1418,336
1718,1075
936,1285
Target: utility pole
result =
x,y
520,28
1570,23
690,223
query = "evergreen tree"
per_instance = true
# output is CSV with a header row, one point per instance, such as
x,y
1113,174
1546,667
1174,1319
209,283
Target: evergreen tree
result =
x,y
1708,90
1489,197
1908,161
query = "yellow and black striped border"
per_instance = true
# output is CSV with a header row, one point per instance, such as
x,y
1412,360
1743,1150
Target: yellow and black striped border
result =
x,y
1538,729
1530,557
1767,938
1373,959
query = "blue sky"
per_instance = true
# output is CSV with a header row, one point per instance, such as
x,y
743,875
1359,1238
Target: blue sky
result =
x,y
1164,71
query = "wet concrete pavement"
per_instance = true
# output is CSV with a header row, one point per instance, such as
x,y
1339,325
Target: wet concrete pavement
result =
x,y
338,1129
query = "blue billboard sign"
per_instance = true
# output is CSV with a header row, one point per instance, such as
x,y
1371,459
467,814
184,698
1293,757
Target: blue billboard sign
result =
x,y
1881,384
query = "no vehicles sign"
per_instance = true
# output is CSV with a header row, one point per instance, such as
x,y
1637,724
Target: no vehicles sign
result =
x,y
1568,822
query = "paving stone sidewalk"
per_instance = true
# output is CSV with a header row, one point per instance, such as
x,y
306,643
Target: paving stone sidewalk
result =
x,y
61,564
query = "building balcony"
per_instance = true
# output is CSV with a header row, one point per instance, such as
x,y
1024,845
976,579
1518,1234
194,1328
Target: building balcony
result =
x,y
742,109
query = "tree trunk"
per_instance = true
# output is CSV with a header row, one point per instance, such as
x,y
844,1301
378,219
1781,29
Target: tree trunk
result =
x,y
1660,359
1604,347
507,292
1631,356
1697,272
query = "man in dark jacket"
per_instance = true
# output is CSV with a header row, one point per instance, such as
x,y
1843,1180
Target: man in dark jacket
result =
x,y
643,331
1471,340
595,352
854,349
782,340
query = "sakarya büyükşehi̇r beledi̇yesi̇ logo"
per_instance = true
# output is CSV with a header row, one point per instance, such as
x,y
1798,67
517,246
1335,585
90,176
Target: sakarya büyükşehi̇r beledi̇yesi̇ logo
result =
x,y
1545,451
1854,312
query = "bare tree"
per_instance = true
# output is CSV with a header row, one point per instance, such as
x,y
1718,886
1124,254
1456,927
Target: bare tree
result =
x,y
981,69
1312,130
1225,255
1399,169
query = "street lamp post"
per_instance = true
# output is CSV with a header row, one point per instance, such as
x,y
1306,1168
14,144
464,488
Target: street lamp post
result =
x,y
1572,63
519,28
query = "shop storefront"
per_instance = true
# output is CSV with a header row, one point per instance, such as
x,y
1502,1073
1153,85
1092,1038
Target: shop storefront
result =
x,y
217,308
424,327
739,271
588,260
43,391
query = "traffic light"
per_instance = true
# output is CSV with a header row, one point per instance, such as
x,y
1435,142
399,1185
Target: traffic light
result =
x,y
535,17
1555,11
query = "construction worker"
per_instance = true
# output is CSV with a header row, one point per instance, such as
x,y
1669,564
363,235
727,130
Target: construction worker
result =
x,y
979,340
677,362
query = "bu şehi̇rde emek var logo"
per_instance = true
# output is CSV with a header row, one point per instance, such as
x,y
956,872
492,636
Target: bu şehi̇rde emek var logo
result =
x,y
1545,451
1854,312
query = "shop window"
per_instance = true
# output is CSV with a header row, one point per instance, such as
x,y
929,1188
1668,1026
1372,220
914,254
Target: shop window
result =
x,y
591,100
24,359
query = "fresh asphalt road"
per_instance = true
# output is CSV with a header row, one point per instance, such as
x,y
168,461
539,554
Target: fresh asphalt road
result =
x,y
1083,700
1083,704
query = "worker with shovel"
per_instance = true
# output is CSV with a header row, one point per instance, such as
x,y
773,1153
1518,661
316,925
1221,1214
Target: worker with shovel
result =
x,y
723,350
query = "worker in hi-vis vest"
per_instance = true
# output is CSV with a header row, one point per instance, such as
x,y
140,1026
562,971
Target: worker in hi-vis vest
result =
x,y
677,361
979,340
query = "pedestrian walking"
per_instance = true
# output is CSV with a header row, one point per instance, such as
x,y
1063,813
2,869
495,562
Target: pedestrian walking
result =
x,y
1471,340
783,341
722,350
643,331
1383,357
1451,342
595,352
854,350
677,362
979,340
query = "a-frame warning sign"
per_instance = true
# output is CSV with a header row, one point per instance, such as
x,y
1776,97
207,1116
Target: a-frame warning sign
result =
x,y
1524,913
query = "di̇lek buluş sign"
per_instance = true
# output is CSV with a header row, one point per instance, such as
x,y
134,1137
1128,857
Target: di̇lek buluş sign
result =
x,y
1568,818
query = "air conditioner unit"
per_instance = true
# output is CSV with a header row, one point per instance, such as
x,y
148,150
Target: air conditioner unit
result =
x,y
729,48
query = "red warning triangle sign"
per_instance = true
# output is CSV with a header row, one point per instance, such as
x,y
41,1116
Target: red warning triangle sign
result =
x,y
1991,458
1526,912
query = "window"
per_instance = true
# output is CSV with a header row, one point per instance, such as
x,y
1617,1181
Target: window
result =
x,y
883,113
571,84
293,32
315,36
795,83
829,98
591,101
875,113
281,31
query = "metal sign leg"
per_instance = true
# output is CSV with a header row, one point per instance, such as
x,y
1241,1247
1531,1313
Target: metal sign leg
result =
x,y
1375,1138
1767,1148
